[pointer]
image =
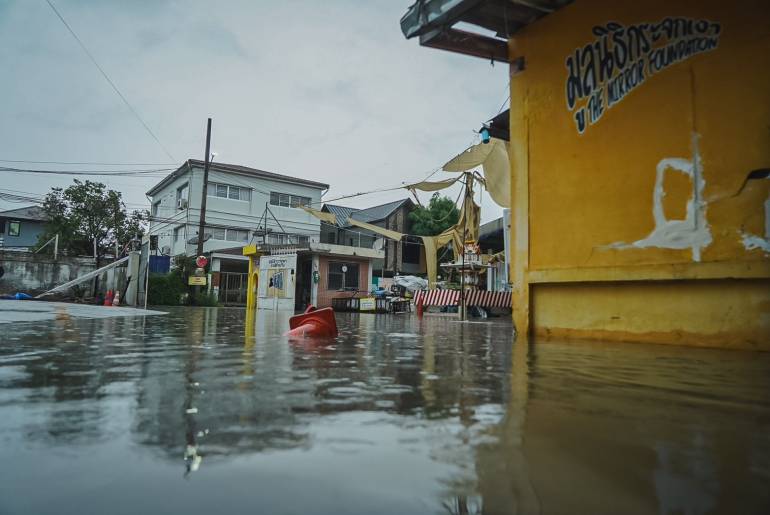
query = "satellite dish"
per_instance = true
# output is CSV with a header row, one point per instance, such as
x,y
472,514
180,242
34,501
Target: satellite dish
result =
x,y
194,239
165,250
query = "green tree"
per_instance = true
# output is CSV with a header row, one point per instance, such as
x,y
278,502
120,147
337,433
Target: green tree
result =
x,y
89,218
440,215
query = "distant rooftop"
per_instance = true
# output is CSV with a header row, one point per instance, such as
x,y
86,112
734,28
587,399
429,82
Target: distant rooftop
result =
x,y
35,213
381,212
238,169
367,215
341,212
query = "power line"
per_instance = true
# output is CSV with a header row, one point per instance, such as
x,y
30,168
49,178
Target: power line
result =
x,y
107,78
90,163
108,173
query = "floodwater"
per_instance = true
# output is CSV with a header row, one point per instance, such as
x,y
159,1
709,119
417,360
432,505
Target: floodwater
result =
x,y
197,412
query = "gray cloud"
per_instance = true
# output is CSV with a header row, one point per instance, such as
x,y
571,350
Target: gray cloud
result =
x,y
323,90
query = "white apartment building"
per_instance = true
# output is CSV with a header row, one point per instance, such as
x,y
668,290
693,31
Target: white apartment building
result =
x,y
244,205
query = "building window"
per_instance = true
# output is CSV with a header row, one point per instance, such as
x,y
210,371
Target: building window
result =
x,y
155,208
183,192
228,191
228,233
280,238
339,279
237,235
178,232
287,200
14,228
411,252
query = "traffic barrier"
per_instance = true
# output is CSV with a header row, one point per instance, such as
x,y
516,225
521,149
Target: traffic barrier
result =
x,y
313,323
480,298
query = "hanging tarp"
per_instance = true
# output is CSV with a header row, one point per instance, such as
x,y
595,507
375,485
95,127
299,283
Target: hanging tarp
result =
x,y
321,215
393,235
466,228
433,186
469,159
431,245
493,157
497,172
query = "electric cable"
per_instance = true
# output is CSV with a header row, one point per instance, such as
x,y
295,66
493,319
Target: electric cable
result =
x,y
111,83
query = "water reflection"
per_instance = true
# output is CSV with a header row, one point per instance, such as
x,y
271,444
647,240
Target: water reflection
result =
x,y
396,415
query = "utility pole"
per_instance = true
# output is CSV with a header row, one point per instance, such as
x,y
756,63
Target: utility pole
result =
x,y
204,192
465,232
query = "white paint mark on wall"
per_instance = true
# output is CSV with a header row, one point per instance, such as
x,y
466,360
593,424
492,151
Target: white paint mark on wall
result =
x,y
751,242
693,232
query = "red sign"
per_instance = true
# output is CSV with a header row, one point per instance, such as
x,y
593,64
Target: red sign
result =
x,y
201,261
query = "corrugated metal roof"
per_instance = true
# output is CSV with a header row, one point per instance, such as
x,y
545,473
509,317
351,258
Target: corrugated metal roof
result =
x,y
26,213
341,212
377,213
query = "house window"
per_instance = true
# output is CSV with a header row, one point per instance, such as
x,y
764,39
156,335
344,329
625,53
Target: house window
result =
x,y
218,233
183,192
287,239
411,252
14,228
278,239
228,234
155,208
287,200
178,232
339,279
228,191
237,235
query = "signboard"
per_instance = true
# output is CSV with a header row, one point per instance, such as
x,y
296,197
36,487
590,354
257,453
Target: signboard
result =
x,y
367,304
201,261
618,59
277,278
196,281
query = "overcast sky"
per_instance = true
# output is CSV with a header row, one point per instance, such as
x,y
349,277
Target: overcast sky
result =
x,y
324,90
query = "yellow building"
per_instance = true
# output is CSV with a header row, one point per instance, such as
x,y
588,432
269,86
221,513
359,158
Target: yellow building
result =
x,y
640,151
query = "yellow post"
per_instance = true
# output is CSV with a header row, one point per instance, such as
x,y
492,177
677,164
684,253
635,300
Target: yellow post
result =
x,y
251,293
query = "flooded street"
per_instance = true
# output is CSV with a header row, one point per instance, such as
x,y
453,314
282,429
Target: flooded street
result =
x,y
199,412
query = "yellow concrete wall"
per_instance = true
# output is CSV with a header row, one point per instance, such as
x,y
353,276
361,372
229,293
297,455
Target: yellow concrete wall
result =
x,y
589,197
730,313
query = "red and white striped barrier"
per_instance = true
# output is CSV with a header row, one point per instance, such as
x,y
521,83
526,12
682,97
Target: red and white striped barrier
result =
x,y
437,297
483,299
488,299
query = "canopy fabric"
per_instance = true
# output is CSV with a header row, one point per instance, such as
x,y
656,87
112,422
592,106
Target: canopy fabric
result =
x,y
431,245
456,235
321,215
493,157
497,172
393,235
469,158
433,186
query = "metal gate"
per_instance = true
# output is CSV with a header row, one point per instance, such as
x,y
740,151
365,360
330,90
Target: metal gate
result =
x,y
232,288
